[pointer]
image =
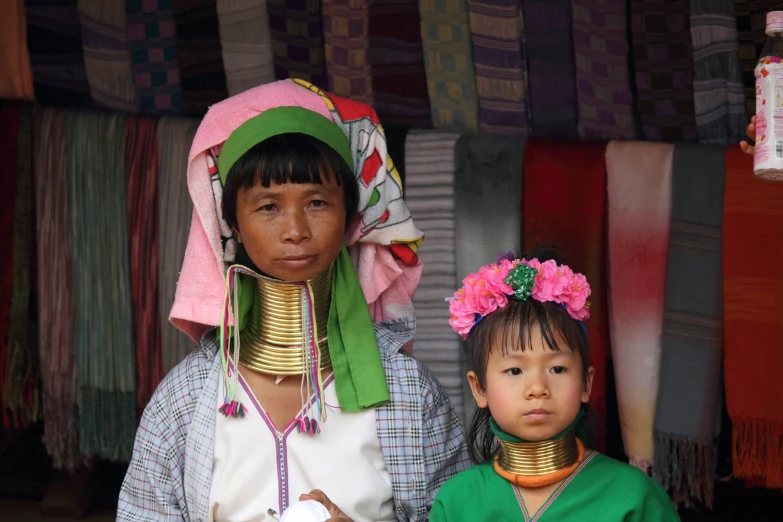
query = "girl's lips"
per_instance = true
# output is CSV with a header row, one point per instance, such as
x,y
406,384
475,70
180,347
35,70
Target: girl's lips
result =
x,y
537,415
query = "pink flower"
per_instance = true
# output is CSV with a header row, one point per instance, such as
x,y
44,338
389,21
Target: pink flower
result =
x,y
546,286
582,314
578,292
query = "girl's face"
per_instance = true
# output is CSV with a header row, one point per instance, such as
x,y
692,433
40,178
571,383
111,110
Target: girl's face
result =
x,y
536,393
292,231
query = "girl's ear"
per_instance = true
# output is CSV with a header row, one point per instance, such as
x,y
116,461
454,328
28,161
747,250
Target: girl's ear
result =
x,y
479,395
588,385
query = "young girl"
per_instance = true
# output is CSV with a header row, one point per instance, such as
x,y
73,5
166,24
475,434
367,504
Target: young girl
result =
x,y
531,379
300,389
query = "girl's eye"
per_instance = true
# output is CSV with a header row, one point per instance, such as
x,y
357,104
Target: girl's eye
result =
x,y
558,369
514,371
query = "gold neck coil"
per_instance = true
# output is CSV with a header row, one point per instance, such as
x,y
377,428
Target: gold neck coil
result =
x,y
538,458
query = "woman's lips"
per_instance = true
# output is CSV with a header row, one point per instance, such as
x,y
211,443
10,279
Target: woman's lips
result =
x,y
298,262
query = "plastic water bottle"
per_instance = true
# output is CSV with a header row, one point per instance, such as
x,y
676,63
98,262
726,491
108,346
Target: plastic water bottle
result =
x,y
768,158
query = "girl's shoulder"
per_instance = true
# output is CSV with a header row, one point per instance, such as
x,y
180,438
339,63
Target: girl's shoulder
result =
x,y
605,469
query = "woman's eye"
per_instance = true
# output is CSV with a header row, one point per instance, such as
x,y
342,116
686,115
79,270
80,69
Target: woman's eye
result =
x,y
558,369
267,208
318,203
514,371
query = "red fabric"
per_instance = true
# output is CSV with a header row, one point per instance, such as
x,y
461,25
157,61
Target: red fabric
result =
x,y
564,204
753,321
141,165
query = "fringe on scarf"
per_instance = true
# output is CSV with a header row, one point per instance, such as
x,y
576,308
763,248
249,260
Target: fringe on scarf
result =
x,y
685,467
757,451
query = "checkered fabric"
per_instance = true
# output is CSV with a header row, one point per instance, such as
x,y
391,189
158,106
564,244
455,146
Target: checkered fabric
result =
x,y
297,40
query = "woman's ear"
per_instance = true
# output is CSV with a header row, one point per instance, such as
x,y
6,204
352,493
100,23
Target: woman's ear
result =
x,y
588,385
479,395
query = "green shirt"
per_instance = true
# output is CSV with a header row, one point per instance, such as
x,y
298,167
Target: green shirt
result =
x,y
600,489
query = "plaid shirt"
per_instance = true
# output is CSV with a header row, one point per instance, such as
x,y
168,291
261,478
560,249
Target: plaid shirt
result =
x,y
170,473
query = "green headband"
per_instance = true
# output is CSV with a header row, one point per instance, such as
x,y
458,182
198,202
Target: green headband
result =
x,y
281,120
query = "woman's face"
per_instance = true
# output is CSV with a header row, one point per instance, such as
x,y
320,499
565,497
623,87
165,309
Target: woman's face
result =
x,y
292,231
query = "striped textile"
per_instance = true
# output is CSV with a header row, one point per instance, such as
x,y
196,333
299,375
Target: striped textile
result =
x,y
152,39
246,42
399,81
448,61
175,210
663,61
199,55
107,61
751,16
639,193
141,164
56,336
602,76
54,40
689,401
297,40
718,97
429,194
346,42
16,82
488,200
105,352
549,46
499,58
20,380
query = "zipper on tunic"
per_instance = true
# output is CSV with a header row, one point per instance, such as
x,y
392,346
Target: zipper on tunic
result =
x,y
283,472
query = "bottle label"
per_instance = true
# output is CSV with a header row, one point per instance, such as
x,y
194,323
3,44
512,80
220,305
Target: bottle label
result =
x,y
769,114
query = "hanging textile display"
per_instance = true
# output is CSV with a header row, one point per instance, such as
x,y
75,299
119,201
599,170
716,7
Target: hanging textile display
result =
x,y
689,391
175,210
141,163
753,298
246,42
10,113
639,201
555,199
751,16
663,64
718,97
487,209
346,43
551,79
429,195
448,61
199,55
107,61
54,39
56,335
19,372
399,81
16,82
602,76
496,29
105,350
152,39
297,40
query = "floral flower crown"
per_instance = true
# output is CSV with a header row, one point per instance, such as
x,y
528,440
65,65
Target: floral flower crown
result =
x,y
484,292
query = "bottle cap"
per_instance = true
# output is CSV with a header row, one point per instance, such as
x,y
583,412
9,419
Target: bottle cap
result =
x,y
774,22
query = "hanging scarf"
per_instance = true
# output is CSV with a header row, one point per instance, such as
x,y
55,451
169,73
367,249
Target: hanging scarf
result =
x,y
718,97
152,40
429,193
448,60
501,72
55,43
199,55
549,46
246,42
16,82
602,77
297,40
639,201
753,326
55,299
689,392
399,81
107,61
487,210
663,63
175,210
141,162
751,18
105,357
554,200
346,43
19,390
